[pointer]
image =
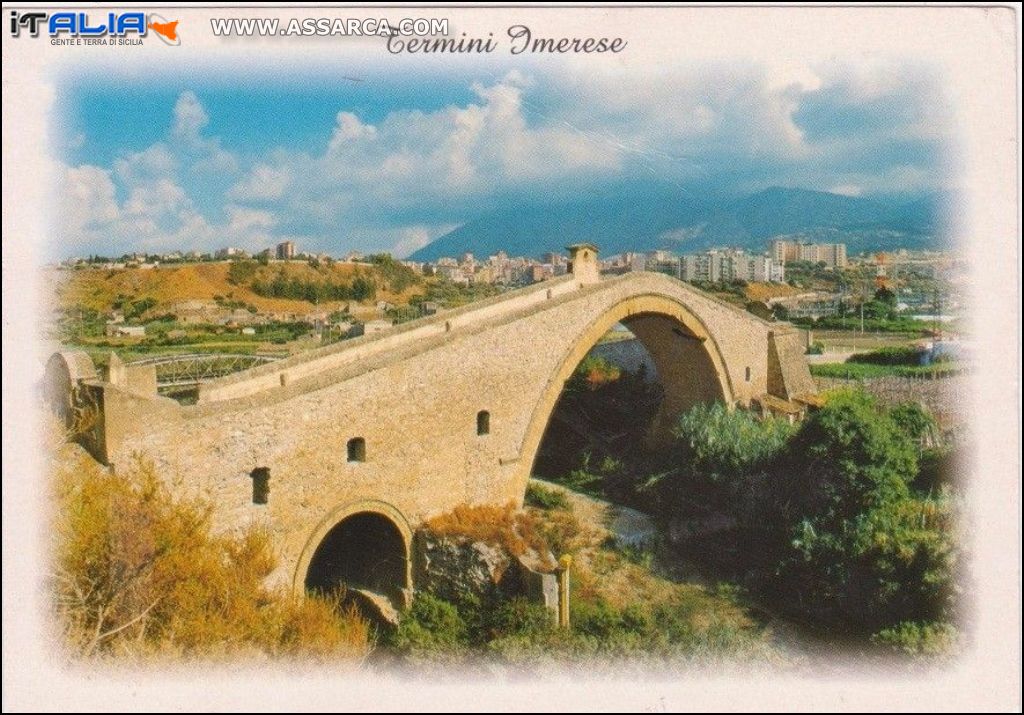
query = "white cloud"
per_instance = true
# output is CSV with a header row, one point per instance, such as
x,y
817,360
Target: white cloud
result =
x,y
454,152
153,163
203,154
88,196
189,117
787,74
242,219
215,160
263,183
847,190
156,199
155,216
413,238
669,123
399,180
349,128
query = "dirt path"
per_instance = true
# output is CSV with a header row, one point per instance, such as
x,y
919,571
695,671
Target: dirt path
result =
x,y
627,526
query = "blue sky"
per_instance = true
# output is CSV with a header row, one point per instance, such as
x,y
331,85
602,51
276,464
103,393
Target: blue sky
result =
x,y
393,160
243,116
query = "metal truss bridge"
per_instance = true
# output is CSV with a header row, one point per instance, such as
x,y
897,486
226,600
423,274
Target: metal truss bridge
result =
x,y
177,371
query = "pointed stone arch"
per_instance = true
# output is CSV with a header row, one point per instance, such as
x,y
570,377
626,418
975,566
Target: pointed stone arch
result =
x,y
687,356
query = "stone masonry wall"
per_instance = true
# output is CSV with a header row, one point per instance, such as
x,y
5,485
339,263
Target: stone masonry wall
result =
x,y
415,405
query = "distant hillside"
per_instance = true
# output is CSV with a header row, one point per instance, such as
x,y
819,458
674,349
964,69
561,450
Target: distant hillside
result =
x,y
661,219
616,224
780,211
102,290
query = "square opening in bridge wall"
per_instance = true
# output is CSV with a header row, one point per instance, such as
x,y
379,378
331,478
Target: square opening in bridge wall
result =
x,y
260,485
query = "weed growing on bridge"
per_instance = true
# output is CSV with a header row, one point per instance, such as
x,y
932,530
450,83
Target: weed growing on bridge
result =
x,y
138,571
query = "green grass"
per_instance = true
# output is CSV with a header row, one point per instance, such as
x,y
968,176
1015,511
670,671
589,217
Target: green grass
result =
x,y
545,497
863,371
872,325
100,355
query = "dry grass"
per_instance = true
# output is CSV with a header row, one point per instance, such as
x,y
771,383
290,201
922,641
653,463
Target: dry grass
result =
x,y
98,289
561,529
766,291
519,533
139,572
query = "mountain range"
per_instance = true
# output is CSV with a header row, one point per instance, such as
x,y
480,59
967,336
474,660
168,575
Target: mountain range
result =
x,y
648,219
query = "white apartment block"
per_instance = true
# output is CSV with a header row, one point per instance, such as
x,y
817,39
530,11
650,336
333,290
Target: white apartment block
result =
x,y
728,265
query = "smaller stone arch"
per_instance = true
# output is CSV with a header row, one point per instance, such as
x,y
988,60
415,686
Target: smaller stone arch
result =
x,y
371,515
64,373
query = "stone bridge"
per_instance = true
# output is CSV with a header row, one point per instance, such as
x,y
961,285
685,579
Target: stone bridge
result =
x,y
343,451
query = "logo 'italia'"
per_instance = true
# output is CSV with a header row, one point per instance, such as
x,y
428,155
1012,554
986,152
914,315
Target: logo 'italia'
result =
x,y
81,25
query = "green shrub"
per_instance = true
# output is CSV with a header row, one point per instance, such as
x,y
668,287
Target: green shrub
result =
x,y
862,548
590,478
397,276
593,372
928,638
431,626
637,619
545,497
641,554
844,521
848,457
864,371
520,617
240,273
888,356
723,443
940,468
561,530
595,618
912,419
716,453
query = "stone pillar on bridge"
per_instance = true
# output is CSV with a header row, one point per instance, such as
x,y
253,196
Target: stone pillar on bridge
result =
x,y
583,262
116,372
140,379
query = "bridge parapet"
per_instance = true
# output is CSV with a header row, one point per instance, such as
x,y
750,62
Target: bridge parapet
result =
x,y
307,364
